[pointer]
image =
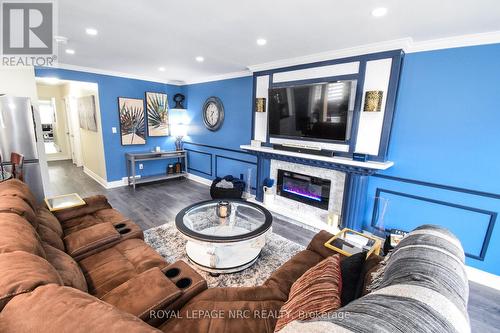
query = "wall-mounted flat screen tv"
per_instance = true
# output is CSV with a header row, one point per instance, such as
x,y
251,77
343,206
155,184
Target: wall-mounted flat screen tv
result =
x,y
319,111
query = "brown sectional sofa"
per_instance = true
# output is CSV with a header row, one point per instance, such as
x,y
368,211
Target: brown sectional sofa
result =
x,y
118,284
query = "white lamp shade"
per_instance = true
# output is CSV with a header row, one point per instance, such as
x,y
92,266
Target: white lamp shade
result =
x,y
179,130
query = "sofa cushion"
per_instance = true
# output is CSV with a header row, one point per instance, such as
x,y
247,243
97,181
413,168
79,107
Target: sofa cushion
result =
x,y
45,217
289,272
15,187
51,237
108,215
315,293
22,272
18,206
149,291
110,268
352,268
54,308
317,244
16,234
260,293
98,236
68,269
93,204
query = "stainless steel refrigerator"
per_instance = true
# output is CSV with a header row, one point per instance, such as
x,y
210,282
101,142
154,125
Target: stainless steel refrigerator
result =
x,y
17,134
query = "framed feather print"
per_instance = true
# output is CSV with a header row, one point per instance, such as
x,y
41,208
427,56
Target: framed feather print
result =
x,y
157,111
132,125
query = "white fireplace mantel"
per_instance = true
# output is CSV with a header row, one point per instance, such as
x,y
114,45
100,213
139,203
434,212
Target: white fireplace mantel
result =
x,y
346,164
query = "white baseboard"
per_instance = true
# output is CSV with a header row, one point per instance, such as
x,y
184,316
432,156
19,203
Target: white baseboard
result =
x,y
56,157
123,181
199,179
120,183
117,183
95,177
482,277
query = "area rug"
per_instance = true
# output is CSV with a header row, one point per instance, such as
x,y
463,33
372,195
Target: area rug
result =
x,y
170,243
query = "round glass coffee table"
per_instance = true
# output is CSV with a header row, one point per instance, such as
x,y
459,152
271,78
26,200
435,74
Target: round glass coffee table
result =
x,y
224,244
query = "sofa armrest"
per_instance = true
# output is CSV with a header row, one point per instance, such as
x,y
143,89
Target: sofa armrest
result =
x,y
317,244
98,236
53,308
93,204
149,291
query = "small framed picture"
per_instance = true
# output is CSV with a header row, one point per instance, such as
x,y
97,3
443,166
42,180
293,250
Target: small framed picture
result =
x,y
373,101
260,105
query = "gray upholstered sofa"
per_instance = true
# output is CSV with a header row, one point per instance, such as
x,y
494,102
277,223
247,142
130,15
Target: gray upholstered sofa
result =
x,y
424,288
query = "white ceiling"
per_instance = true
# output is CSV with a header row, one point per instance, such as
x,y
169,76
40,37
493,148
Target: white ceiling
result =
x,y
137,37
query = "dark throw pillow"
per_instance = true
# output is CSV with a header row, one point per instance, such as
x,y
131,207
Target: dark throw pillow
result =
x,y
371,265
351,268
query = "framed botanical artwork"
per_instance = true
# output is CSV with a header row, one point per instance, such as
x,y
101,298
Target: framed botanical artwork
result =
x,y
132,125
157,110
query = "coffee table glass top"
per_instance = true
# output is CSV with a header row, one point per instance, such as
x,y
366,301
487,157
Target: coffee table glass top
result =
x,y
4,175
245,220
65,201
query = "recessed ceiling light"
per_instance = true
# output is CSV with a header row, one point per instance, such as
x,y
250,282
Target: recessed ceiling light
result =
x,y
70,51
261,41
161,69
61,39
379,12
200,59
91,31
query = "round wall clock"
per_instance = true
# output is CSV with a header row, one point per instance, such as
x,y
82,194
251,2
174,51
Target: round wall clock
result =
x,y
213,113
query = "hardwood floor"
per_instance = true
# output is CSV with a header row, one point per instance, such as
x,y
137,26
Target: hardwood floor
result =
x,y
155,204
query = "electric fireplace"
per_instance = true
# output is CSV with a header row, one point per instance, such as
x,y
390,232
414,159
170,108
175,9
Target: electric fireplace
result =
x,y
310,190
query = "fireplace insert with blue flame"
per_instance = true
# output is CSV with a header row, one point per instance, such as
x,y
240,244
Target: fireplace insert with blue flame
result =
x,y
310,190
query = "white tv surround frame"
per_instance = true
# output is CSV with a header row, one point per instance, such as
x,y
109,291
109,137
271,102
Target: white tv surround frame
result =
x,y
370,125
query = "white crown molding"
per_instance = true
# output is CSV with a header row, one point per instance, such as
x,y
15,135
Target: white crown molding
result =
x,y
403,43
118,74
484,38
227,76
407,44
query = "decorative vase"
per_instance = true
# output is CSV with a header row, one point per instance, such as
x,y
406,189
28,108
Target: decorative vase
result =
x,y
178,144
268,195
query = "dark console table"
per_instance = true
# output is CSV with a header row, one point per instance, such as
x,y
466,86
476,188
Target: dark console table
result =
x,y
133,158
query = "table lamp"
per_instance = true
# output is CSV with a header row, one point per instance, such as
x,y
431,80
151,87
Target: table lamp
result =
x,y
179,131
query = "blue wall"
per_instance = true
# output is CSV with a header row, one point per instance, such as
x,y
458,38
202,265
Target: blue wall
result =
x,y
212,154
446,147
110,88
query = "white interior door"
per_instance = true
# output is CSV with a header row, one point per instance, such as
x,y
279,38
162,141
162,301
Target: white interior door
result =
x,y
73,130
